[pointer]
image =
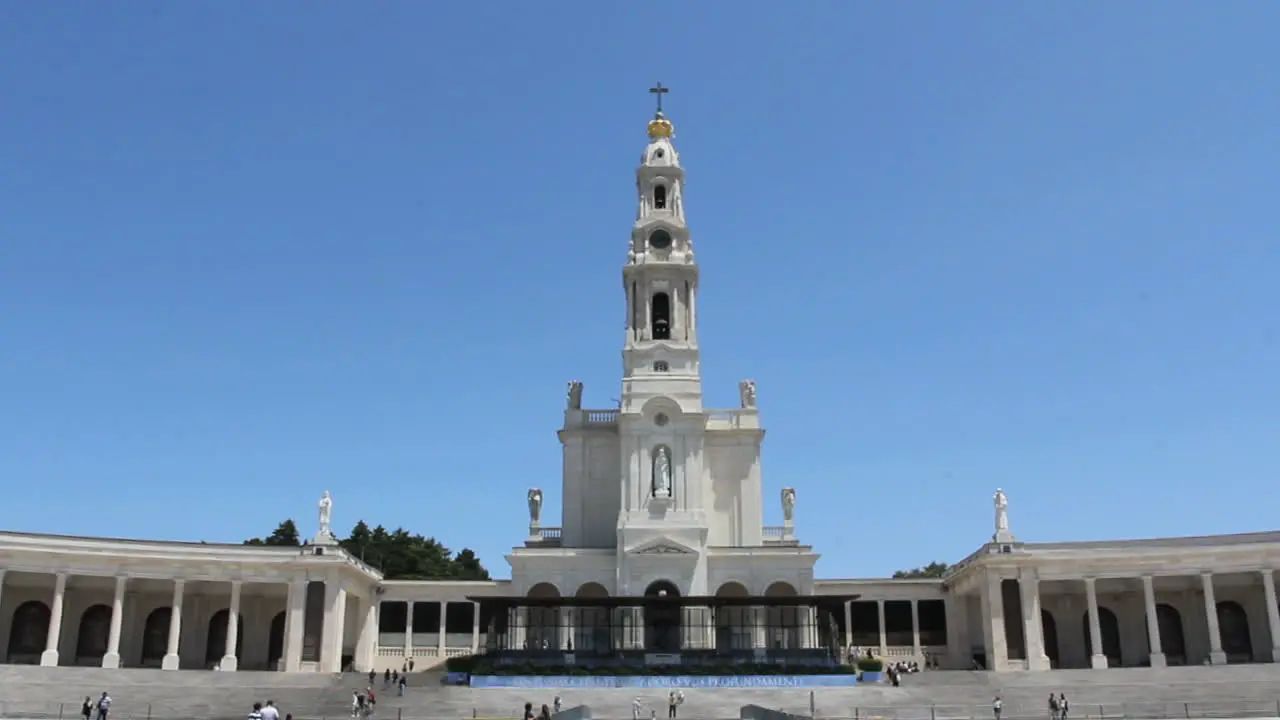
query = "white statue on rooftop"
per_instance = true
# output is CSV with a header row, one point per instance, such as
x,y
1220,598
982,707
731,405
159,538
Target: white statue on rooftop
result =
x,y
535,506
747,393
788,505
325,532
1001,502
573,397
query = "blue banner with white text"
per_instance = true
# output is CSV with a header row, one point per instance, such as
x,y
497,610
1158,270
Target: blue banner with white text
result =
x,y
548,682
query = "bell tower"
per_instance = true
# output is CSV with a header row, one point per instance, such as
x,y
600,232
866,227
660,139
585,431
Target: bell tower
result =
x,y
662,524
660,354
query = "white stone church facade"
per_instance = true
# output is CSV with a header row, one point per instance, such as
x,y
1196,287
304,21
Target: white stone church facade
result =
x,y
660,494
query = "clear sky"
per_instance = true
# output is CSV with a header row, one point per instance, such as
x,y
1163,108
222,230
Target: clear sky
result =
x,y
251,251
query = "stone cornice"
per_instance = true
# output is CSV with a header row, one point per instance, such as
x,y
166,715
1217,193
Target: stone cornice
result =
x,y
36,553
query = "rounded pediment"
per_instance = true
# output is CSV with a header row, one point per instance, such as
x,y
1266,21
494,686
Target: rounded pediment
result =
x,y
662,411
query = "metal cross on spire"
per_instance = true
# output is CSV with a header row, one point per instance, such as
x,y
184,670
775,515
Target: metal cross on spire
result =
x,y
659,91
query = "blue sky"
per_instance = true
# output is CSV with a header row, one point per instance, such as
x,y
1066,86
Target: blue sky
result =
x,y
252,251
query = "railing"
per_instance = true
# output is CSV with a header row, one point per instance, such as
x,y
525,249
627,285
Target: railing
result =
x,y
741,419
543,536
773,531
823,708
601,417
1078,711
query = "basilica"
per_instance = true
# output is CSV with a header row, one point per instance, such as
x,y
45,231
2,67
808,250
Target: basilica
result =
x,y
661,548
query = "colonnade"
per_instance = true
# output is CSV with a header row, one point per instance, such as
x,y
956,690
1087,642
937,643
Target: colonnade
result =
x,y
312,641
1028,629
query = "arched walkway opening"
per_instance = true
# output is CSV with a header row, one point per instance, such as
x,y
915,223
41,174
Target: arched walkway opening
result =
x,y
28,632
275,641
783,623
155,637
661,618
1110,627
735,625
591,624
91,640
1172,640
542,627
1050,627
1233,628
216,645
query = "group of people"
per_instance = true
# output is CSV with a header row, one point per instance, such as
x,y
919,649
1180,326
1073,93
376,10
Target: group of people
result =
x,y
267,712
362,703
391,677
545,713
674,700
1058,706
103,706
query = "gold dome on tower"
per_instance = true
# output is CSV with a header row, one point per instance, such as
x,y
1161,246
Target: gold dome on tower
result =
x,y
660,127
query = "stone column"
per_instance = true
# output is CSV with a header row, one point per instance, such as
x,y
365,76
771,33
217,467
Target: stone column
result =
x,y
112,658
475,627
1153,622
995,642
408,630
367,644
884,642
915,632
1097,660
294,626
959,647
848,628
171,658
1032,627
49,658
335,611
441,642
1216,656
230,660
1273,612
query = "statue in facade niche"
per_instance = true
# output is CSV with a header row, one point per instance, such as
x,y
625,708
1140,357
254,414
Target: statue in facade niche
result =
x,y
788,505
662,472
747,393
1001,502
535,506
574,395
326,515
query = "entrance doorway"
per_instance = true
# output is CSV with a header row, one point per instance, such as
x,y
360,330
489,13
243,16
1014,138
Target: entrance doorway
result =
x,y
662,617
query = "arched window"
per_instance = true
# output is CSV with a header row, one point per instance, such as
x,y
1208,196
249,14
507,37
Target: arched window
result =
x,y
661,366
661,316
660,197
1233,629
155,636
91,641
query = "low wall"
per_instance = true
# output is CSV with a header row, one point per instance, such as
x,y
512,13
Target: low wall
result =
x,y
755,712
539,682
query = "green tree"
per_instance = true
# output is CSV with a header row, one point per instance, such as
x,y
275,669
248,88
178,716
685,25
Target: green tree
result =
x,y
399,554
285,535
932,570
402,555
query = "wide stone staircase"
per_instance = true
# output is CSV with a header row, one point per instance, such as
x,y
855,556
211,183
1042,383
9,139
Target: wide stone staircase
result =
x,y
32,693
1192,692
37,692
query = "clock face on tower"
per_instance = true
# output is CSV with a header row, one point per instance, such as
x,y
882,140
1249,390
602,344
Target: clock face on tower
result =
x,y
660,240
